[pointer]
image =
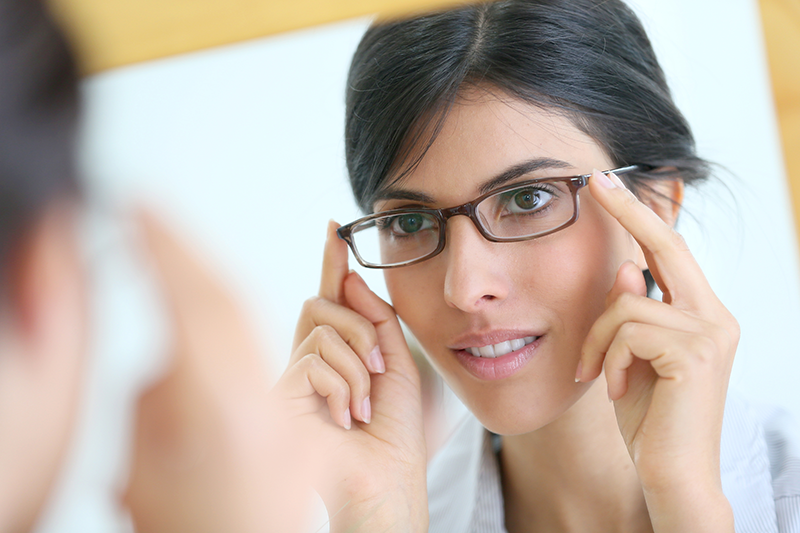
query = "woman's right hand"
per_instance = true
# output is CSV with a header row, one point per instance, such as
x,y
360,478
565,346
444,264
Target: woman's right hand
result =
x,y
353,389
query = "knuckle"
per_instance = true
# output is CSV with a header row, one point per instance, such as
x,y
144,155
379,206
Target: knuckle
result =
x,y
628,330
719,334
310,305
703,349
677,241
324,333
629,199
725,338
311,362
363,329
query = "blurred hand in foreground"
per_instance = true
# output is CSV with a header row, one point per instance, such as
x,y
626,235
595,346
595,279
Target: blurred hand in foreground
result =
x,y
209,455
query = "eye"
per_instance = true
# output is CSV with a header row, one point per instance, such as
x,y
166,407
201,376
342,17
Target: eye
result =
x,y
410,223
529,199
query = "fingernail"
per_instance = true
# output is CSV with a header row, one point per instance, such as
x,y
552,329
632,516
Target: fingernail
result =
x,y
608,391
616,180
332,227
376,361
578,373
366,410
347,420
602,179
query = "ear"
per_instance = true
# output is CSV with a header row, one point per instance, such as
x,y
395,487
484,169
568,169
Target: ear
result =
x,y
664,197
46,279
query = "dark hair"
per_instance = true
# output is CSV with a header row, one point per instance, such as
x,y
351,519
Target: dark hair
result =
x,y
38,118
588,59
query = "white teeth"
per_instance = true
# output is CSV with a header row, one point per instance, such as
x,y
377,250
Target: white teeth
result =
x,y
487,351
496,350
503,348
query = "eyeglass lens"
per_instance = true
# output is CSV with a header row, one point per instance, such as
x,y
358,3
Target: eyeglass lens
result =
x,y
521,212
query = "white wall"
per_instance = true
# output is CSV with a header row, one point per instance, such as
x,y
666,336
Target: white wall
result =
x,y
242,147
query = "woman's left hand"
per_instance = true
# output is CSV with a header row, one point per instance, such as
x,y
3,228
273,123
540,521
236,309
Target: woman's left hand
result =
x,y
667,366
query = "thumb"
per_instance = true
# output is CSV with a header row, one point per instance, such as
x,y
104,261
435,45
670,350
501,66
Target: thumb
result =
x,y
630,279
391,340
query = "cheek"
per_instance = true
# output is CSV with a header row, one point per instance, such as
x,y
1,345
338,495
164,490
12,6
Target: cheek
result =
x,y
414,291
417,295
582,267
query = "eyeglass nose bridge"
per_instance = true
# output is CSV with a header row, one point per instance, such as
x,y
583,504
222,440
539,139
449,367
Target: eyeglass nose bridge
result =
x,y
468,210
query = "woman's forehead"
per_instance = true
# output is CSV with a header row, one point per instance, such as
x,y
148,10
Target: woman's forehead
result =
x,y
484,135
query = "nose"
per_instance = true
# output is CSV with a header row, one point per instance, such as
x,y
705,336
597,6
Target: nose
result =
x,y
476,277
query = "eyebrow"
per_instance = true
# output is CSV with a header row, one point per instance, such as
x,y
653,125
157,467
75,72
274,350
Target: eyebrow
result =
x,y
520,169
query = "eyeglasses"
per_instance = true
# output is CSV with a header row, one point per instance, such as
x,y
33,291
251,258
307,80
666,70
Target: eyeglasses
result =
x,y
517,212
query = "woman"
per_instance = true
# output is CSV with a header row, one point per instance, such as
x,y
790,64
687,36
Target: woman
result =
x,y
533,305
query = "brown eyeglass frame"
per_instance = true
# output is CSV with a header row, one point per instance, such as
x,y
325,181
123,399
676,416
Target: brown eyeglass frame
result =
x,y
575,183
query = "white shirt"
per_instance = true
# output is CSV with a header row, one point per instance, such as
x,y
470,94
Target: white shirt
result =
x,y
759,459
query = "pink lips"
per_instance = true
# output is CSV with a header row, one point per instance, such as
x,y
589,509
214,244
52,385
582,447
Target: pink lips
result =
x,y
499,367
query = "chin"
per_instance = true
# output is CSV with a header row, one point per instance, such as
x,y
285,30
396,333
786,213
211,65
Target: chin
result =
x,y
516,412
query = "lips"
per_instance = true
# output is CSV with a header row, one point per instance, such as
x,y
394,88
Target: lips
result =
x,y
496,355
500,349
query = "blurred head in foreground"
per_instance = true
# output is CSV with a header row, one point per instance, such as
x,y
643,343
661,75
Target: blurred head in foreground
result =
x,y
42,312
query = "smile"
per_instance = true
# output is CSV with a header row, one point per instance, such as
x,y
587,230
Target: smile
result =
x,y
501,360
497,350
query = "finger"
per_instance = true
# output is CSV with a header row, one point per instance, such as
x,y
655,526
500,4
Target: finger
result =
x,y
334,266
209,323
187,282
326,342
354,329
627,303
393,346
629,280
632,309
676,356
673,267
312,378
180,270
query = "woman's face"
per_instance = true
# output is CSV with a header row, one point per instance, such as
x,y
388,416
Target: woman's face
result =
x,y
478,293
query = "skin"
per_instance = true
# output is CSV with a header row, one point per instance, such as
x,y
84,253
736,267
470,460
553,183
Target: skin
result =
x,y
206,457
205,453
649,461
554,285
42,345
